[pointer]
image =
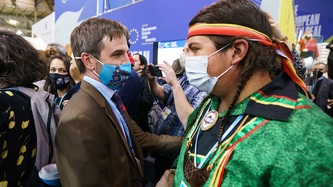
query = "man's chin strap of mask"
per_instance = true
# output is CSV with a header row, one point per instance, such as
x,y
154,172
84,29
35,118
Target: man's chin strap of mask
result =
x,y
250,34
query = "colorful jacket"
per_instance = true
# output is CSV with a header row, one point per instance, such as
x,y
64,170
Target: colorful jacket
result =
x,y
285,140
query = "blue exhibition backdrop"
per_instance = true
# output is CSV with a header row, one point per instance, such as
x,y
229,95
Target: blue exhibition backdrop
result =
x,y
316,16
150,21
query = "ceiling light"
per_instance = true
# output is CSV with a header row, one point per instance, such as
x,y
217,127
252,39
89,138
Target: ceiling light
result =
x,y
19,32
12,22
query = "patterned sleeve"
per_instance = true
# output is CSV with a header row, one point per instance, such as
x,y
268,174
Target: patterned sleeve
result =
x,y
194,96
167,88
298,64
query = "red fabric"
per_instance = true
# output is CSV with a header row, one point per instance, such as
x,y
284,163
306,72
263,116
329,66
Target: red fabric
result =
x,y
310,44
119,104
229,30
130,58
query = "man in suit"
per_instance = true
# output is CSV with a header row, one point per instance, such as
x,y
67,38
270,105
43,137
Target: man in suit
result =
x,y
97,144
321,88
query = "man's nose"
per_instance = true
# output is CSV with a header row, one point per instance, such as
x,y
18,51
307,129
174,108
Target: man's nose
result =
x,y
125,60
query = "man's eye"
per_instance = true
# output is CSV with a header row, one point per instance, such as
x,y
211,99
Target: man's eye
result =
x,y
194,49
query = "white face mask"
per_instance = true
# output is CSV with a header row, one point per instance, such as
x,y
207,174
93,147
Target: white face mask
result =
x,y
182,60
196,72
309,35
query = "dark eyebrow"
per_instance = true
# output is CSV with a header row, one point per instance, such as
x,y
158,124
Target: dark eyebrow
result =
x,y
192,43
118,51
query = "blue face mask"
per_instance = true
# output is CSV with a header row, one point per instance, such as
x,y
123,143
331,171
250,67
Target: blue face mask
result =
x,y
114,77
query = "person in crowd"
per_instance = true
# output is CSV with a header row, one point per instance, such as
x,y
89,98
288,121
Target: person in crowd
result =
x,y
20,65
97,144
330,60
147,98
179,100
45,55
138,65
68,49
177,67
59,81
74,73
50,50
321,88
77,77
309,45
253,129
57,47
130,94
298,63
278,35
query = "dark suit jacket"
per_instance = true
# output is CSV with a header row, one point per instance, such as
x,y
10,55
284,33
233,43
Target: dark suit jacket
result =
x,y
130,94
146,102
90,147
325,92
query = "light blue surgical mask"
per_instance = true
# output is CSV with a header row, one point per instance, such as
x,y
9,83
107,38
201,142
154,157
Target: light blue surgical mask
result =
x,y
182,60
196,72
113,76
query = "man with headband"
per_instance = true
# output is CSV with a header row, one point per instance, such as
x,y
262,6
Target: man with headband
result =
x,y
257,127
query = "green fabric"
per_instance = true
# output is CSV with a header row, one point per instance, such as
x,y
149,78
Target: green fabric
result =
x,y
298,152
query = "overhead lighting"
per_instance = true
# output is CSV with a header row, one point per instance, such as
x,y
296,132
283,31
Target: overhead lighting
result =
x,y
12,22
19,32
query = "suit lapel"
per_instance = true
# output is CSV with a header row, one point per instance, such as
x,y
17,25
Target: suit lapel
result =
x,y
323,89
98,97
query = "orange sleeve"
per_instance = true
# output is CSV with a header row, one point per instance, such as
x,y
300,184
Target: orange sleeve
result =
x,y
301,44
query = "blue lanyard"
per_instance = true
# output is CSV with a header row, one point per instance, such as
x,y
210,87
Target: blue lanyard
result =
x,y
232,126
62,98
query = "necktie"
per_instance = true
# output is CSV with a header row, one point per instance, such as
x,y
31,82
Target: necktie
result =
x,y
122,109
119,104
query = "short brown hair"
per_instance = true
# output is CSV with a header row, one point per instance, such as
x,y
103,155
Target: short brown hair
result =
x,y
88,36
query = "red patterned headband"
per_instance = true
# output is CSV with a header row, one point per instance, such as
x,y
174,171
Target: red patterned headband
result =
x,y
229,30
252,35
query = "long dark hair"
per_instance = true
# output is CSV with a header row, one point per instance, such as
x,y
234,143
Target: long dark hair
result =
x,y
20,64
66,59
143,61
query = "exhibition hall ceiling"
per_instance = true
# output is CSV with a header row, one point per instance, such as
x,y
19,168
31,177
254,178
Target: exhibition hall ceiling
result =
x,y
20,15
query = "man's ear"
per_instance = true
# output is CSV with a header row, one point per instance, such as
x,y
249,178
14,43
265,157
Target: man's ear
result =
x,y
87,61
240,47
